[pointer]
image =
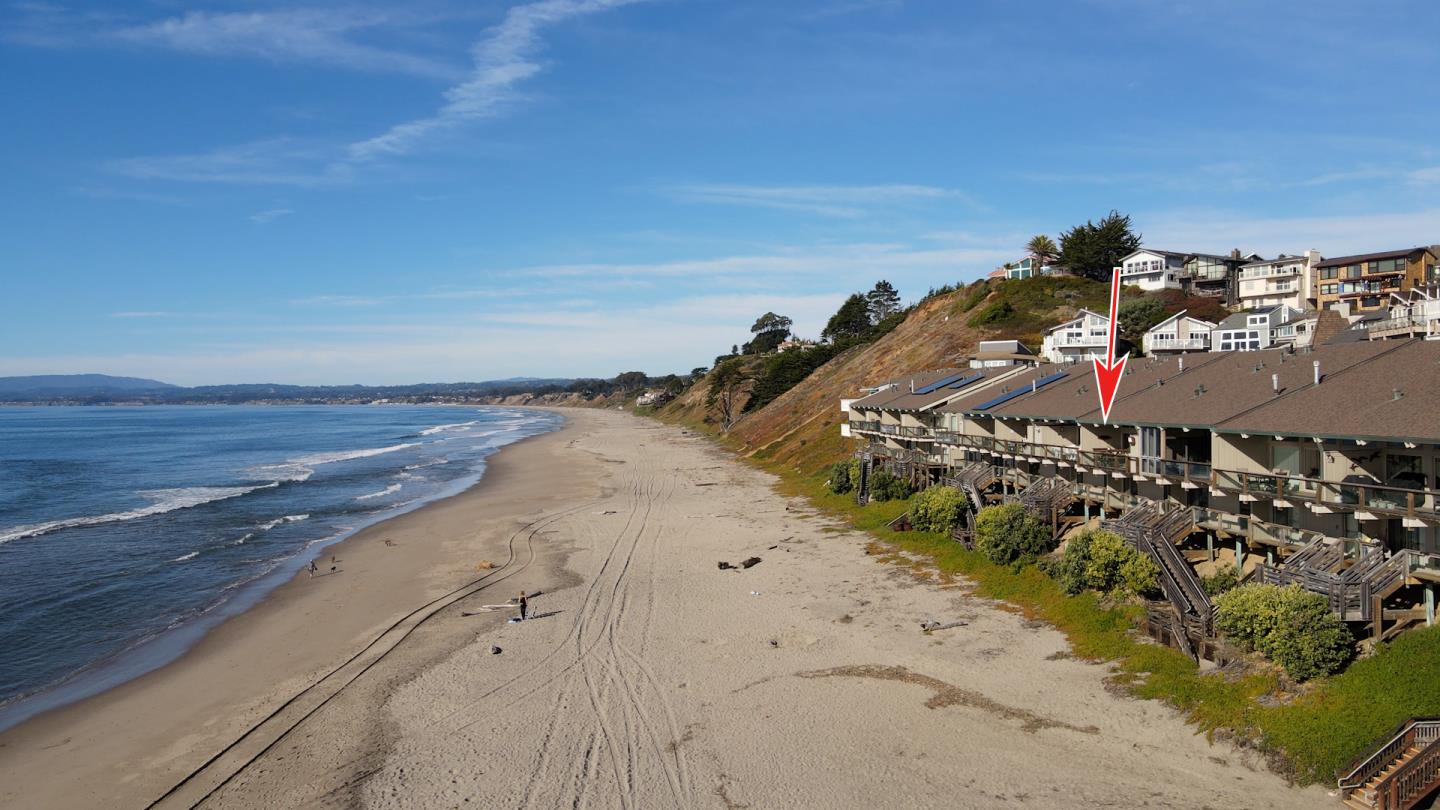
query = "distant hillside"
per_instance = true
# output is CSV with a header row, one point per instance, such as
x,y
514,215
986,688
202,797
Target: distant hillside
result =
x,y
77,385
102,389
799,429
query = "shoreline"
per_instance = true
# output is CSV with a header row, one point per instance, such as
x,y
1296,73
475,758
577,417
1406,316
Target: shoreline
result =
x,y
659,680
349,619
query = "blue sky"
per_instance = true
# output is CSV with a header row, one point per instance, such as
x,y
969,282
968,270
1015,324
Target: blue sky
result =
x,y
346,192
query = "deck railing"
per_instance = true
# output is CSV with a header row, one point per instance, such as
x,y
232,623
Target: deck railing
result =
x,y
1340,496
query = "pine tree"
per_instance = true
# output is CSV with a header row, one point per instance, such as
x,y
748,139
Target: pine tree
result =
x,y
883,301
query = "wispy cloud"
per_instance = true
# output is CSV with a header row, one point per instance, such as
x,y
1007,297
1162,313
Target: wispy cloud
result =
x,y
323,36
830,201
106,193
270,215
275,161
850,261
332,36
1336,235
1424,177
504,58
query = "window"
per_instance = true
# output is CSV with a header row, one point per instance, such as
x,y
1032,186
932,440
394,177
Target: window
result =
x,y
1329,272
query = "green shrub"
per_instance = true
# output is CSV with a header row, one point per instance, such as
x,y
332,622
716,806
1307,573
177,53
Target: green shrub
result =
x,y
886,487
937,509
1223,580
1140,574
1291,626
996,313
1009,535
1102,561
840,480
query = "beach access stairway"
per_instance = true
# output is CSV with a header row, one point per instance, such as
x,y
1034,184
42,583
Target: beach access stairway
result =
x,y
1354,588
972,479
1047,499
1154,530
1399,773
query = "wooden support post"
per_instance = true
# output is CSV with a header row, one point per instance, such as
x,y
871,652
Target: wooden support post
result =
x,y
1210,545
1429,604
1239,556
1377,615
1270,556
1087,510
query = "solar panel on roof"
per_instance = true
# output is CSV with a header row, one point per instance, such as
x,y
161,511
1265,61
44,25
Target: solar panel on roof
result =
x,y
966,381
939,384
1034,386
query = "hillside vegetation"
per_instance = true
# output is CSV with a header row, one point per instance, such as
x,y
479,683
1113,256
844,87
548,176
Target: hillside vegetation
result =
x,y
799,429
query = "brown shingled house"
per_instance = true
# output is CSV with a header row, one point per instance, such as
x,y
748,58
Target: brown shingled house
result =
x,y
1365,281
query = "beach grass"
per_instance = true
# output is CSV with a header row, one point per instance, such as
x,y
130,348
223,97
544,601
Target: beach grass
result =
x,y
1306,737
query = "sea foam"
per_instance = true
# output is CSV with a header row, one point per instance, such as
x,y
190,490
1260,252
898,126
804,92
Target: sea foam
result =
x,y
162,501
348,455
390,490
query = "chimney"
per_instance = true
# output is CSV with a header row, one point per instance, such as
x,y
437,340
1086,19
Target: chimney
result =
x,y
1317,372
1235,253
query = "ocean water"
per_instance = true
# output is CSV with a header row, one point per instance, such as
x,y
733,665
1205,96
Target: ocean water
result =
x,y
127,532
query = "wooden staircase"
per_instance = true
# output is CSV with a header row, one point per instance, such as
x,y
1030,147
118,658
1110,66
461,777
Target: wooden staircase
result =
x,y
862,487
1400,773
1047,499
972,479
1154,530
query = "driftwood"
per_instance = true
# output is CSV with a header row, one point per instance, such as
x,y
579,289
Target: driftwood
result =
x,y
931,626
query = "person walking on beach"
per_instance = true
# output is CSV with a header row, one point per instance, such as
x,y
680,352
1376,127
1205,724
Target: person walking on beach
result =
x,y
524,605
312,569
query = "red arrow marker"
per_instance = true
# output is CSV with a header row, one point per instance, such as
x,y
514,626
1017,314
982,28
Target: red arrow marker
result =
x,y
1108,371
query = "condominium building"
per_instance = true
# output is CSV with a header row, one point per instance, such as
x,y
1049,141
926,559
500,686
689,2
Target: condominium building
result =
x,y
1283,280
1317,466
1365,282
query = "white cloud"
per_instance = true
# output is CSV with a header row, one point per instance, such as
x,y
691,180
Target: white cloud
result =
x,y
301,35
1336,235
840,261
832,201
274,161
1424,177
270,215
503,59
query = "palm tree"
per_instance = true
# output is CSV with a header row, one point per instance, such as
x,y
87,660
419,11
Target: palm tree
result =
x,y
1044,248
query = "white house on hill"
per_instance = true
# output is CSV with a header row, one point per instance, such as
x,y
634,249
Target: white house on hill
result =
x,y
1153,269
1077,340
1178,333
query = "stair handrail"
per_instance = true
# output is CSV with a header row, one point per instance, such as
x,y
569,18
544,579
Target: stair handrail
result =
x,y
1412,780
1365,766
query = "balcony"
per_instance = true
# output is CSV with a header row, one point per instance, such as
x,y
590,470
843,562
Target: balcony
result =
x,y
1246,275
1179,344
1427,325
1062,340
860,426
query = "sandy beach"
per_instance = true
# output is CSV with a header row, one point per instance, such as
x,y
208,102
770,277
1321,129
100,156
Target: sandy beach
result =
x,y
647,676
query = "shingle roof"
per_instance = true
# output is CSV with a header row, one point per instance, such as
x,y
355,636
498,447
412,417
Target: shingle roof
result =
x,y
1239,320
1340,261
900,398
1358,400
1234,382
1074,398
